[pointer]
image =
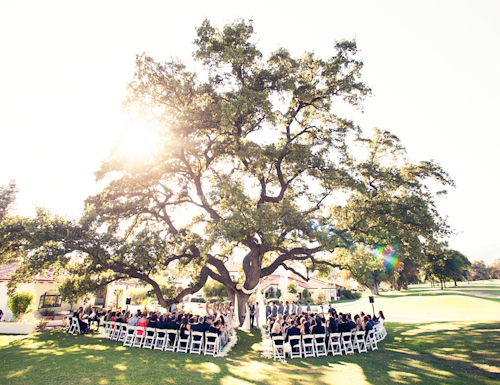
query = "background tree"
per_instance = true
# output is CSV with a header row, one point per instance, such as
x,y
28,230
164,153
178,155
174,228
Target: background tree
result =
x,y
447,265
479,271
7,198
362,266
291,287
495,269
213,289
389,206
457,265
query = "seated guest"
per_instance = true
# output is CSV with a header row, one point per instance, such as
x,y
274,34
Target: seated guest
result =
x,y
153,321
276,330
200,326
302,325
344,326
134,320
93,317
307,327
332,325
113,316
119,317
359,323
293,331
368,325
81,322
318,328
107,317
215,328
381,318
184,328
350,322
162,322
143,322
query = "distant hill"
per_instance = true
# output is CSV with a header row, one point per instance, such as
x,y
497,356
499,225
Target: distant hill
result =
x,y
485,253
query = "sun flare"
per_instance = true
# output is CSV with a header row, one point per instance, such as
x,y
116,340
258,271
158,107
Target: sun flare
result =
x,y
139,140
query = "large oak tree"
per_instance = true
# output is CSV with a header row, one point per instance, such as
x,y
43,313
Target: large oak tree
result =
x,y
249,164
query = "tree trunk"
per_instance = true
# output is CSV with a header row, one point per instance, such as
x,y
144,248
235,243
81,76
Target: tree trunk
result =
x,y
373,288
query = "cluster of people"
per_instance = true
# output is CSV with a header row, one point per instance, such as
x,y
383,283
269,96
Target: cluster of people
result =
x,y
84,319
286,309
321,323
218,320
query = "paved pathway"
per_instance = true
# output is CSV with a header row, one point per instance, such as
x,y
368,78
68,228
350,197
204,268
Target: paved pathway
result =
x,y
477,294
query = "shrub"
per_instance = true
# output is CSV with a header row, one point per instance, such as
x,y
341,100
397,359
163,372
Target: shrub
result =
x,y
20,302
47,312
290,297
305,294
320,297
347,294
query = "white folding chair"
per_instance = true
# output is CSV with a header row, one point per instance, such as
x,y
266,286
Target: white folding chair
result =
x,y
347,343
183,343
129,336
383,331
171,342
334,344
359,341
74,327
320,345
123,332
371,341
161,338
149,339
308,345
296,351
116,331
196,342
105,327
110,330
140,334
376,333
211,344
278,347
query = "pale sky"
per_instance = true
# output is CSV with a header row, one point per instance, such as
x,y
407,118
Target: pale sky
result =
x,y
433,66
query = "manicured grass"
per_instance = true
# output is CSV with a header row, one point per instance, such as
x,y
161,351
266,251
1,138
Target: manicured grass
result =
x,y
431,353
415,351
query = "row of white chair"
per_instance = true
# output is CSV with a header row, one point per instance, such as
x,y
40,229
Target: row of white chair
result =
x,y
317,345
164,339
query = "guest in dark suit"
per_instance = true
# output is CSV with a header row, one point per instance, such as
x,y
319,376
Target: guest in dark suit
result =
x,y
293,331
275,309
344,327
251,308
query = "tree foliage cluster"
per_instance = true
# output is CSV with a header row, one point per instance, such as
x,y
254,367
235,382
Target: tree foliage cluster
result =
x,y
252,163
479,270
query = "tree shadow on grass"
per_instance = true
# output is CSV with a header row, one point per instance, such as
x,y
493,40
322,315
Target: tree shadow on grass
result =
x,y
440,353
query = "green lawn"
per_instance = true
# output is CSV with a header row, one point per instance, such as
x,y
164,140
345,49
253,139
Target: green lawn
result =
x,y
454,352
